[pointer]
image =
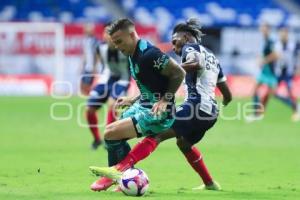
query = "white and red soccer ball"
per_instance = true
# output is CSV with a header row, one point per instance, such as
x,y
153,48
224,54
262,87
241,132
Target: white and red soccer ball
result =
x,y
134,182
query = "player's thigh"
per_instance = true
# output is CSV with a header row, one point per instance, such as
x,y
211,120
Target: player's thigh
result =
x,y
184,145
119,89
289,83
121,129
184,118
145,123
148,124
170,133
85,89
86,82
87,78
192,130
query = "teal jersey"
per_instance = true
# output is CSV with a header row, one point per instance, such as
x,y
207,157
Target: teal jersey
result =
x,y
267,50
145,66
267,75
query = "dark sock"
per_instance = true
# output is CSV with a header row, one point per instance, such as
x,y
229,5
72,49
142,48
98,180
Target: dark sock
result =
x,y
117,150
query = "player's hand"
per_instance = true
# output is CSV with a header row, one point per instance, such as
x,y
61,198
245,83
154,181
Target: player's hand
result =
x,y
123,102
160,107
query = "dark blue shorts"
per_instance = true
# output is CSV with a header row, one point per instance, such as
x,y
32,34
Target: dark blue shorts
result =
x,y
87,78
191,123
114,88
288,79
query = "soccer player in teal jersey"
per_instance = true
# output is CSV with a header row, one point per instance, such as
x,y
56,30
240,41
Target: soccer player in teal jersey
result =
x,y
277,65
113,84
158,77
267,75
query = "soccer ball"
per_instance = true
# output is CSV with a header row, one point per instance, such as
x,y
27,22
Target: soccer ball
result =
x,y
134,182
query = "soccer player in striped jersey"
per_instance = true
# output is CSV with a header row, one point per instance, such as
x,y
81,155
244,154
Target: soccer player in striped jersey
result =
x,y
90,59
195,116
285,69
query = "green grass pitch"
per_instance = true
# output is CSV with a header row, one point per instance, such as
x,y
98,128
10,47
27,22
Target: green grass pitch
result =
x,y
43,158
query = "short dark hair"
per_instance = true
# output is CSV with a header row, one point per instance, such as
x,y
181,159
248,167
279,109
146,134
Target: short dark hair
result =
x,y
119,24
191,26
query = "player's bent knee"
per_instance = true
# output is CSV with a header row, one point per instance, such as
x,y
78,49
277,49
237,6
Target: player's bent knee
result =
x,y
183,145
110,131
158,139
165,136
85,89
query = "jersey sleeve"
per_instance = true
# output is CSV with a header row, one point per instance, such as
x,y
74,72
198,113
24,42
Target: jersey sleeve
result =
x,y
155,59
221,76
189,51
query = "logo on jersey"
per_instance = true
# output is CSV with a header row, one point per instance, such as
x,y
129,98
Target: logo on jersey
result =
x,y
160,62
136,69
189,49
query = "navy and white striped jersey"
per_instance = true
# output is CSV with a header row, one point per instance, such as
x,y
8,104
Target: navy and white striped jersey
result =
x,y
146,65
90,49
201,84
286,61
116,63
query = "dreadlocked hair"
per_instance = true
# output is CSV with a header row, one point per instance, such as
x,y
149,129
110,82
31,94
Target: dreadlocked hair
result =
x,y
191,26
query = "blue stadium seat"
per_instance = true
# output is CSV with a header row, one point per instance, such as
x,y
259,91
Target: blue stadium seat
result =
x,y
210,12
49,9
161,13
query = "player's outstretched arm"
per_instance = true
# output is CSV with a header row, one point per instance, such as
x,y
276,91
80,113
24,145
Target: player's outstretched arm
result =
x,y
194,61
227,96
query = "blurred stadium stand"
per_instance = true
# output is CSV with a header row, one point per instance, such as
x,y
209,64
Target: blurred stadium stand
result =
x,y
161,13
66,11
227,24
212,13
